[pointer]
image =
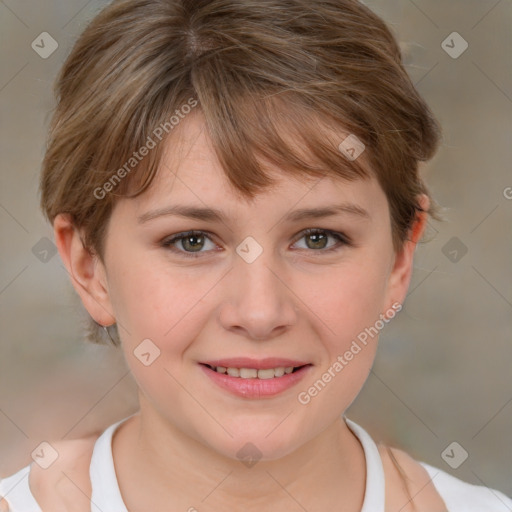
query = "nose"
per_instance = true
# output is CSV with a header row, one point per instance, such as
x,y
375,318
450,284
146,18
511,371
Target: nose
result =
x,y
259,303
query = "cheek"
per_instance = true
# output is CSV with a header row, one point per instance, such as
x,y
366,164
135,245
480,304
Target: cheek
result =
x,y
153,302
346,301
349,330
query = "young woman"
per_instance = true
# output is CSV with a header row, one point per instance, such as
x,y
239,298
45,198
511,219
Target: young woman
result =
x,y
234,190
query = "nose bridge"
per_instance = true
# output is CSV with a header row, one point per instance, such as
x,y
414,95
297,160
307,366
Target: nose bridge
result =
x,y
259,302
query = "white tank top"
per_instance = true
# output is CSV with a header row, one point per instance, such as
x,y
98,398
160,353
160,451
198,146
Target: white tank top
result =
x,y
458,496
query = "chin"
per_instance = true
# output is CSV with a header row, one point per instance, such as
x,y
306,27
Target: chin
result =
x,y
257,442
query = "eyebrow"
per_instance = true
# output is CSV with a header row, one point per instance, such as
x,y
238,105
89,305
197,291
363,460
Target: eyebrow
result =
x,y
213,215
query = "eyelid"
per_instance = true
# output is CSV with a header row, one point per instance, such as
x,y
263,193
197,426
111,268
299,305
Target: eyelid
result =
x,y
170,241
342,239
340,236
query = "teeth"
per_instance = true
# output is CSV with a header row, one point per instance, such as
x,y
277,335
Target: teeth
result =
x,y
248,373
279,372
270,373
253,373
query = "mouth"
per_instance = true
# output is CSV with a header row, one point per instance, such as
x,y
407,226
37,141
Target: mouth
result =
x,y
255,373
255,379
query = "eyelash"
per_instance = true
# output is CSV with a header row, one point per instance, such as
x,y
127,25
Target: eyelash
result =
x,y
342,239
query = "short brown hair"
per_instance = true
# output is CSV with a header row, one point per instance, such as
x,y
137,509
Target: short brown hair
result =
x,y
256,70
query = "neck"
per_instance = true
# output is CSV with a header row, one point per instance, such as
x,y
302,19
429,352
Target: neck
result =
x,y
157,461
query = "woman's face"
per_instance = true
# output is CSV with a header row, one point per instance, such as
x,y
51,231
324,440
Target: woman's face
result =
x,y
251,285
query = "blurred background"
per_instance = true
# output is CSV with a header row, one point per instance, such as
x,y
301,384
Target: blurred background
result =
x,y
443,371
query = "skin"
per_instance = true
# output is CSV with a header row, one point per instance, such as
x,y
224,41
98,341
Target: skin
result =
x,y
65,486
283,304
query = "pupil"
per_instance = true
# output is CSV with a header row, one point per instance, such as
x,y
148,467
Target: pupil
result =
x,y
189,241
322,239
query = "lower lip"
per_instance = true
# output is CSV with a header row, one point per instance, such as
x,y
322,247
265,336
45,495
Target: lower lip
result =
x,y
256,388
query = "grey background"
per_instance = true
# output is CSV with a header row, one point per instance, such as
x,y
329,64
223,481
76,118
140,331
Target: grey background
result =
x,y
443,370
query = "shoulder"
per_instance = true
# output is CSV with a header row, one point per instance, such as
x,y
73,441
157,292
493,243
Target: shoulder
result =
x,y
409,486
418,486
65,485
67,481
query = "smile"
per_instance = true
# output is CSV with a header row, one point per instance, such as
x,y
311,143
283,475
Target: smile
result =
x,y
254,373
255,383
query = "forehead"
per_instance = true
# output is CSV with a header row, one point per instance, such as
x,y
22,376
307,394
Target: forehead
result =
x,y
191,174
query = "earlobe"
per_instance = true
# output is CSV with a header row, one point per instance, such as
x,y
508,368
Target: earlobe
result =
x,y
86,271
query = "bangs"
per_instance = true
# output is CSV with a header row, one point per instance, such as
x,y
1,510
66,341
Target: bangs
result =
x,y
254,132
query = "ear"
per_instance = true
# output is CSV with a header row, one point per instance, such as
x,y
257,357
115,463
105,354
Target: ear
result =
x,y
86,270
400,276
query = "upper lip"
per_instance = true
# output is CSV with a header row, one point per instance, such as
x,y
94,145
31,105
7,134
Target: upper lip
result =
x,y
259,364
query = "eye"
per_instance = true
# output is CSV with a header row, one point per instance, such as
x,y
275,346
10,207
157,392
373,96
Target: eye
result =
x,y
319,238
192,242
